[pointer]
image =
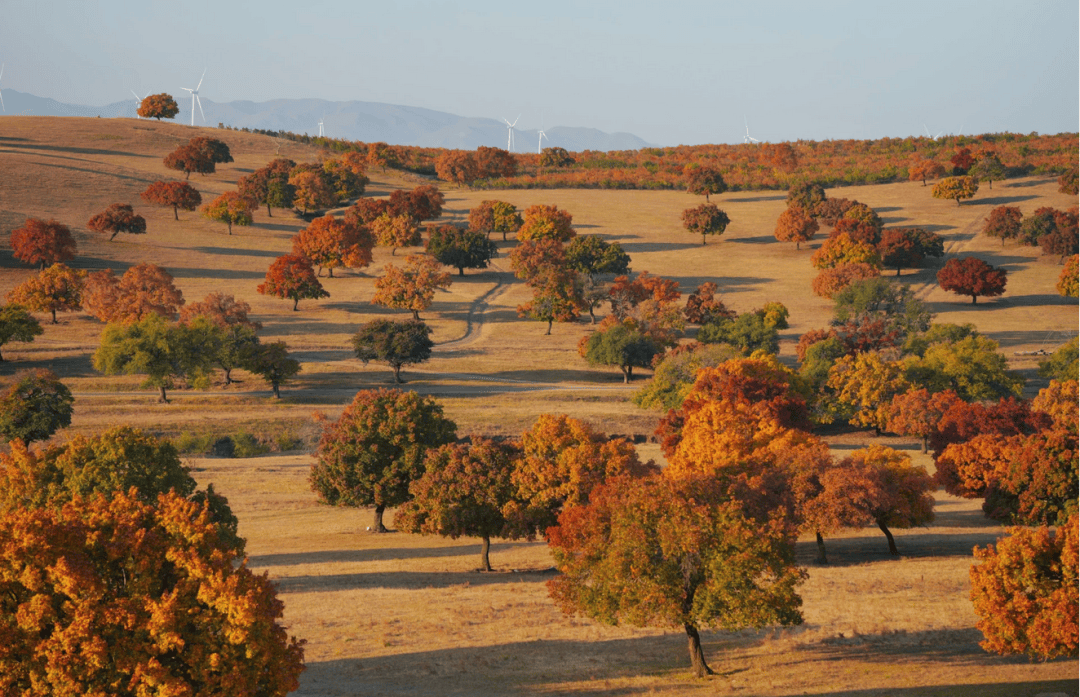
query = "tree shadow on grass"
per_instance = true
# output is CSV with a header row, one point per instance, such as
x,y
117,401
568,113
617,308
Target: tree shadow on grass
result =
x,y
16,358
893,220
97,172
409,580
230,274
353,556
759,239
77,151
644,247
756,199
1027,183
1050,337
232,251
998,200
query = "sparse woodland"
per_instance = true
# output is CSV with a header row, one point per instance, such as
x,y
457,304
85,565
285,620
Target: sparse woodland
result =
x,y
735,431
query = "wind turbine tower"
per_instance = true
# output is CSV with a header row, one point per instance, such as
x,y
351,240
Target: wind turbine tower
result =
x,y
510,134
748,138
540,141
1,93
320,128
195,98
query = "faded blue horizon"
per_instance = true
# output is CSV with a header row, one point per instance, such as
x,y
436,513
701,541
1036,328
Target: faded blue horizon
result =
x,y
684,73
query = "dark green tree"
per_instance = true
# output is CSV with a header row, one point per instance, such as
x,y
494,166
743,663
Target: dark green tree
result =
x,y
272,363
35,406
593,255
620,346
16,324
748,332
463,249
396,343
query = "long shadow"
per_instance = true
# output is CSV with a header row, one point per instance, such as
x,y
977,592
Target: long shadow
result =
x,y
280,227
325,355
141,180
642,247
888,209
1016,338
936,228
13,139
407,580
852,551
79,151
998,200
1035,300
1025,184
231,274
755,199
72,366
759,239
893,220
232,251
348,556
299,323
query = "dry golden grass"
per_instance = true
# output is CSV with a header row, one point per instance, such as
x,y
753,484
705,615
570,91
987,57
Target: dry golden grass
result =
x,y
401,614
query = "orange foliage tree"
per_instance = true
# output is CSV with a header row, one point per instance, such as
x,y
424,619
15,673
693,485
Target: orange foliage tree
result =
x,y
176,194
42,242
556,297
796,225
546,222
311,188
956,188
412,287
292,277
836,278
842,249
705,219
702,306
117,218
330,243
158,106
1003,223
704,180
1068,283
422,203
395,231
230,208
143,289
925,169
457,166
972,276
112,591
495,216
908,246
190,158
57,288
865,383
222,309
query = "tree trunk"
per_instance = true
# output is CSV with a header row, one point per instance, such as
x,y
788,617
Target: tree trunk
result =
x,y
798,245
1,358
162,397
379,527
230,227
115,233
275,387
416,315
548,332
898,272
703,239
268,214
295,302
697,656
821,558
187,175
175,213
329,270
54,317
974,298
888,535
461,271
592,317
925,443
485,548
393,252
228,375
397,372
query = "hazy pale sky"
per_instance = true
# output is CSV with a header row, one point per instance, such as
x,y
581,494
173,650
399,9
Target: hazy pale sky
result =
x,y
671,73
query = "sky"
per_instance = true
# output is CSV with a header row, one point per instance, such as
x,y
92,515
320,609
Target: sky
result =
x,y
671,73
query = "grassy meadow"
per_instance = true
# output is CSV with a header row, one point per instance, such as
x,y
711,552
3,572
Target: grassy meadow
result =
x,y
403,614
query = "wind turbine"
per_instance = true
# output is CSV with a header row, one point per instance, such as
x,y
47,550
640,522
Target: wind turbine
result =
x,y
195,98
928,133
510,134
748,138
320,128
1,94
540,140
138,102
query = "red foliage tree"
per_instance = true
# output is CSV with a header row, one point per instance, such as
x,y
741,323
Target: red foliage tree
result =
x,y
42,242
143,289
705,219
176,194
158,106
972,276
422,203
457,166
117,218
367,210
702,307
330,243
190,158
962,161
857,230
221,309
292,277
493,163
908,246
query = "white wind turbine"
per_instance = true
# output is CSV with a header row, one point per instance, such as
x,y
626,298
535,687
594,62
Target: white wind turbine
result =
x,y
748,138
320,128
138,102
510,134
540,140
928,133
195,98
1,93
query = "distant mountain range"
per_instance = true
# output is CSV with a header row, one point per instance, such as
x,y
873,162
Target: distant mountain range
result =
x,y
364,121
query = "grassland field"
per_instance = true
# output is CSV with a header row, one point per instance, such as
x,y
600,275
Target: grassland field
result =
x,y
400,614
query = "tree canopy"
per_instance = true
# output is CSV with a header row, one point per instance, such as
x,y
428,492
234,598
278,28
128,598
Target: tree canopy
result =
x,y
462,249
292,277
396,343
34,406
42,242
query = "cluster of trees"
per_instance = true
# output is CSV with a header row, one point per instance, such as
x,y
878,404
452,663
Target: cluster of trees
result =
x,y
200,155
1054,231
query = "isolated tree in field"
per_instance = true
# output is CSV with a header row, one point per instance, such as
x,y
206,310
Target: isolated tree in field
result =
x,y
796,225
1039,224
555,157
836,278
161,351
154,600
807,195
705,219
292,277
422,203
987,168
311,190
462,249
16,324
925,169
143,289
956,188
1067,282
158,106
908,246
972,276
176,194
546,222
593,255
272,363
705,180
412,287
556,298
34,406
117,218
217,150
495,216
844,250
330,243
376,449
1004,223
620,346
230,208
649,553
57,288
190,158
396,343
1024,590
395,231
494,163
456,166
42,242
466,489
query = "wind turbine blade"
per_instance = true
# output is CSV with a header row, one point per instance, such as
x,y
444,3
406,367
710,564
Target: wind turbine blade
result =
x,y
200,80
1,72
2,103
136,96
199,102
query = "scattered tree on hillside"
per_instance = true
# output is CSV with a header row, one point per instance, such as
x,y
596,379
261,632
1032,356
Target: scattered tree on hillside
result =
x,y
34,406
971,366
1067,282
915,413
621,346
925,169
462,249
972,276
330,243
395,231
556,298
346,176
796,225
593,255
117,218
456,166
216,150
57,288
829,211
42,242
675,374
143,289
546,222
412,287
1063,241
844,250
396,343
1004,223
531,258
705,219
1062,364
190,158
495,216
222,309
956,188
748,332
16,324
987,168
269,185
831,281
704,180
292,277
176,194
908,246
626,295
376,449
366,211
230,208
866,384
272,363
311,188
422,203
158,106
962,161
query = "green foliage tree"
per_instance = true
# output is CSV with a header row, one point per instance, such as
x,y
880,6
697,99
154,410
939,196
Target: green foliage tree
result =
x,y
705,219
555,157
16,324
462,249
748,332
1062,363
593,255
230,208
807,196
34,406
675,374
987,168
620,346
970,366
272,363
494,216
396,343
370,455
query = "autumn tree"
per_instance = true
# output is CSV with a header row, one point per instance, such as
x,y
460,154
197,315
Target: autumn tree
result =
x,y
748,332
914,413
57,288
956,188
659,553
806,195
425,202
16,324
1003,222
1063,241
154,600
376,449
834,279
462,249
866,384
466,489
829,211
925,169
395,231
704,180
495,216
331,243
555,157
532,258
273,364
34,406
796,225
222,309
987,168
412,287
1062,363
230,208
702,307
908,246
216,150
705,219
555,298
1024,590
396,343
1069,183
158,106
190,158
546,222
292,277
593,255
842,249
366,211
117,218
270,185
346,175
143,289
971,366
620,346
456,166
175,194
42,242
493,163
674,375
311,188
972,276
626,294
962,160
1067,284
